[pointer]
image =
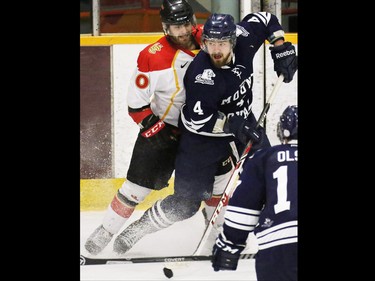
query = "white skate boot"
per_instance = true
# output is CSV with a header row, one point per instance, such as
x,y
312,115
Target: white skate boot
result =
x,y
132,234
98,240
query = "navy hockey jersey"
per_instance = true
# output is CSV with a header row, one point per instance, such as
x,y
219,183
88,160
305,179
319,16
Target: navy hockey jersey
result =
x,y
227,89
265,199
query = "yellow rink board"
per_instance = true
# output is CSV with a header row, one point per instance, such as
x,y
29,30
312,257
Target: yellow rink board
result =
x,y
142,38
97,194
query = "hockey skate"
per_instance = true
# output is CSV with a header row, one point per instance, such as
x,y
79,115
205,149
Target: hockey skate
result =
x,y
98,240
132,234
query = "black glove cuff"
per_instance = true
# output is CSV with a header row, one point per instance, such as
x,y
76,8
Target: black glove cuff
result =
x,y
281,47
225,255
148,122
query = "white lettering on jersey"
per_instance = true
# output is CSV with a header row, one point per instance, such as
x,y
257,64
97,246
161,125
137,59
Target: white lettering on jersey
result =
x,y
284,156
245,112
245,85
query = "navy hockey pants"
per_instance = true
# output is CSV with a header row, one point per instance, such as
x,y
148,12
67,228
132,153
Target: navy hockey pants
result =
x,y
278,263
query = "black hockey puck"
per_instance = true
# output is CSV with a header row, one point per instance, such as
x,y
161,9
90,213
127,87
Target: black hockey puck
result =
x,y
168,272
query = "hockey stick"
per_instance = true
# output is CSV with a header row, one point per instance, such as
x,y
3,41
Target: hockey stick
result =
x,y
235,172
196,255
96,261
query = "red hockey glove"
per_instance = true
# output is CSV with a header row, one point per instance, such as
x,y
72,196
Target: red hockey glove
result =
x,y
151,125
157,132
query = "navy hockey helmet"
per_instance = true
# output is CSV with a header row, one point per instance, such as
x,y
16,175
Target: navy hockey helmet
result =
x,y
287,127
220,27
176,12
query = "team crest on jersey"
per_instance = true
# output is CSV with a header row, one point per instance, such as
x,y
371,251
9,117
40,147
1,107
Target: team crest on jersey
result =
x,y
237,72
267,223
205,77
155,48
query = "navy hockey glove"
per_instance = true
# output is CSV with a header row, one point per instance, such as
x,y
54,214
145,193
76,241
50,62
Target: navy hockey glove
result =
x,y
157,132
285,60
244,130
225,254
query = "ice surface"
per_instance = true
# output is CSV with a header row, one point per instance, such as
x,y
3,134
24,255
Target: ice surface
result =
x,y
179,239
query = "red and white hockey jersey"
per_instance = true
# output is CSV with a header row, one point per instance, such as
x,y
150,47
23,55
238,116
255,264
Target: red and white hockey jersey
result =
x,y
158,79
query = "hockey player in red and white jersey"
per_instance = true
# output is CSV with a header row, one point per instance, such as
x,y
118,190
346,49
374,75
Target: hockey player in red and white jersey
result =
x,y
156,94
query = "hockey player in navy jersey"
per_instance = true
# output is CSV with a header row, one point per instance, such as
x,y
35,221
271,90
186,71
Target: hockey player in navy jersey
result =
x,y
265,202
217,120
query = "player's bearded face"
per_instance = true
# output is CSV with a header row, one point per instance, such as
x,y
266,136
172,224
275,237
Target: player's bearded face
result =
x,y
220,51
181,34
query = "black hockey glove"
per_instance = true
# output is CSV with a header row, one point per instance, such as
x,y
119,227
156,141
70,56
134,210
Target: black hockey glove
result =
x,y
157,132
244,130
225,254
285,60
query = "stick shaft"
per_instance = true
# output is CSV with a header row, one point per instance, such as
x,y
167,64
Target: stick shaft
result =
x,y
98,261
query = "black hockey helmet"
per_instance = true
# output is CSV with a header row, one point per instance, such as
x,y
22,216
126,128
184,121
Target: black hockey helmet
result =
x,y
176,12
287,127
220,27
